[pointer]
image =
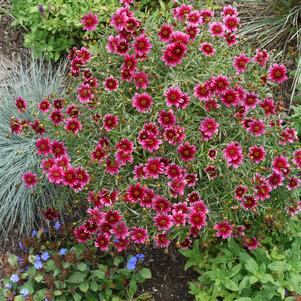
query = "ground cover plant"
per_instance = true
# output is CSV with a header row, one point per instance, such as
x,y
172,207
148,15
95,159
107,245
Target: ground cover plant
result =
x,y
52,266
169,131
34,80
229,272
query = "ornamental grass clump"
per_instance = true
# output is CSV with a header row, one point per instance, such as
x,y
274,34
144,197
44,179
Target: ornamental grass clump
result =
x,y
33,80
169,131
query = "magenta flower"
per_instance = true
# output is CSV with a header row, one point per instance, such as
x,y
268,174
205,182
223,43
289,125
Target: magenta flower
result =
x,y
90,21
142,102
277,73
207,49
223,229
111,84
21,104
30,179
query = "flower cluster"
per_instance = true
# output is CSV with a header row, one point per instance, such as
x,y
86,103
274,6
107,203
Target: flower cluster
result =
x,y
167,147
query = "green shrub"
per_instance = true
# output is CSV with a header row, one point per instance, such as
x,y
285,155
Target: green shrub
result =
x,y
53,26
228,272
33,79
56,269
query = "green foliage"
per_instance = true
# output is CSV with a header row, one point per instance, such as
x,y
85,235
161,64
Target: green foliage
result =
x,y
72,272
229,272
54,26
34,80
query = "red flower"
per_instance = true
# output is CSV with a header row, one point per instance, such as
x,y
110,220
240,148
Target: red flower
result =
x,y
138,235
112,167
51,214
110,122
261,57
58,149
111,84
233,154
256,127
240,191
161,204
251,243
141,80
30,179
174,53
223,229
163,222
166,118
257,154
208,128
142,45
231,23
187,152
277,73
216,29
207,49
44,106
248,203
43,146
153,168
90,21
135,192
21,104
102,242
280,164
56,117
240,63
142,102
162,240
197,219
73,125
165,32
55,174
84,93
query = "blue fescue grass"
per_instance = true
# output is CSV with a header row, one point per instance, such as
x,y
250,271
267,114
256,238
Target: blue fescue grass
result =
x,y
19,206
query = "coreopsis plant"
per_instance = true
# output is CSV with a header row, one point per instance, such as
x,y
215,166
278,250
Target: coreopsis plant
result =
x,y
170,132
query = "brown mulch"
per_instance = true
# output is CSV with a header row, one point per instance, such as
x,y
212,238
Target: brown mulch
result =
x,y
11,42
169,281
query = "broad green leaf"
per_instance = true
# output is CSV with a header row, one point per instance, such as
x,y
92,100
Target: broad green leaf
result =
x,y
278,266
99,274
230,285
235,270
145,273
76,277
82,267
77,297
84,286
243,299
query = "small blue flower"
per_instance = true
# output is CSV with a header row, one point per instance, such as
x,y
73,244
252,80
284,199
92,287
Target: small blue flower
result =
x,y
8,286
20,260
38,264
34,233
140,256
57,226
24,292
14,278
45,256
63,251
132,262
21,246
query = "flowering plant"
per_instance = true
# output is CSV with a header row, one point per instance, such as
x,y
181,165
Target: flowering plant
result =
x,y
170,132
51,267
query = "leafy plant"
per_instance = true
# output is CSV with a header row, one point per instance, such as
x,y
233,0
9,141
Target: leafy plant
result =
x,y
54,26
55,268
163,141
275,24
228,272
33,79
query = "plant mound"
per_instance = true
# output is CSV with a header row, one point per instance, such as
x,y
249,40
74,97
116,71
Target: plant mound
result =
x,y
170,132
